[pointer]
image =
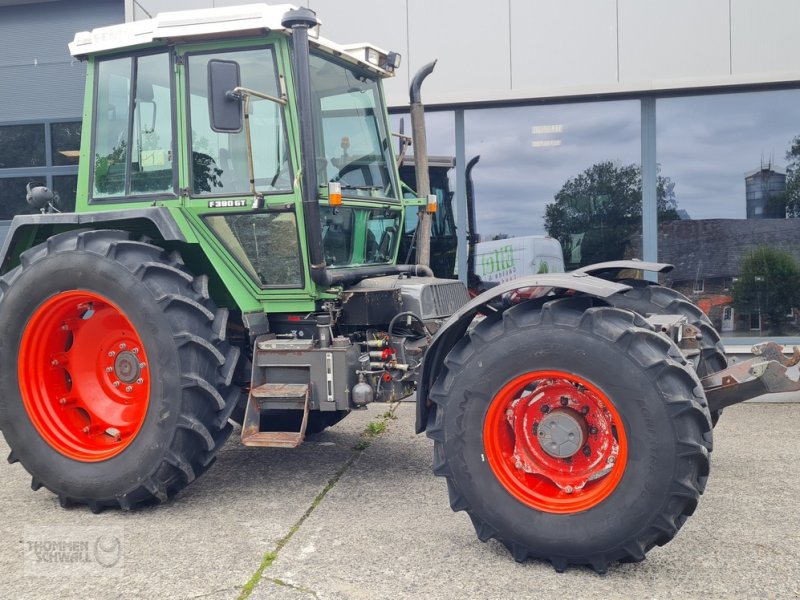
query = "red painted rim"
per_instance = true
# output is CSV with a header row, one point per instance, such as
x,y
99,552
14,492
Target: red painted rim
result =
x,y
83,375
515,445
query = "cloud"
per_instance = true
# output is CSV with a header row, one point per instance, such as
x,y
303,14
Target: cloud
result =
x,y
705,144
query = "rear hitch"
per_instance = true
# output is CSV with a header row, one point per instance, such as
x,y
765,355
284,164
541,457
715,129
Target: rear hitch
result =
x,y
765,373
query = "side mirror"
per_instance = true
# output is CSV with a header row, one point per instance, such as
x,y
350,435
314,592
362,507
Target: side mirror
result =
x,y
224,107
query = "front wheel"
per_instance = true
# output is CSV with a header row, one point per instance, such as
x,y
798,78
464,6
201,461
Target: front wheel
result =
x,y
571,433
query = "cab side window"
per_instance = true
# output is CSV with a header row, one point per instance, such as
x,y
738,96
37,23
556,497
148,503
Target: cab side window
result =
x,y
219,160
132,135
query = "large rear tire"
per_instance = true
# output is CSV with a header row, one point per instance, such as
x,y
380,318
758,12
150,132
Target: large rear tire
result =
x,y
115,370
570,433
646,298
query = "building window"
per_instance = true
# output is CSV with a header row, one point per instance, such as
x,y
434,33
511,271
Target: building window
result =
x,y
66,143
569,171
22,146
734,160
29,156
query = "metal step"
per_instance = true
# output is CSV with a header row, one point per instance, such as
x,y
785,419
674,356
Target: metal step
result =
x,y
263,394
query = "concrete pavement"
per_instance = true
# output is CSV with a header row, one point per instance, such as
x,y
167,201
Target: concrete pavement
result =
x,y
334,519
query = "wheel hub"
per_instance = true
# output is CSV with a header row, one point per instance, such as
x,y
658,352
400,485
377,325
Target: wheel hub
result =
x,y
126,367
562,433
555,441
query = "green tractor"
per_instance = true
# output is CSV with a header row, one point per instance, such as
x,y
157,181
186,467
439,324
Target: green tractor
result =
x,y
233,258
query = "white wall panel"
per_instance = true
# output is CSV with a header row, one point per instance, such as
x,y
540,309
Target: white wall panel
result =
x,y
563,42
470,39
765,36
679,39
518,49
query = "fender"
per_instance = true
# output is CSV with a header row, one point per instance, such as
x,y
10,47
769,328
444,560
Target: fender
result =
x,y
159,217
618,265
454,329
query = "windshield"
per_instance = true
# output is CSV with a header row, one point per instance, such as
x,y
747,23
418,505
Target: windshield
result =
x,y
352,142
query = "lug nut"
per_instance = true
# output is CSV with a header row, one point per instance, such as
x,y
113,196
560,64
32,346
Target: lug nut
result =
x,y
564,400
109,369
142,365
62,401
545,409
587,451
135,351
85,430
112,354
128,388
122,346
140,381
569,489
593,430
585,410
611,460
54,363
116,384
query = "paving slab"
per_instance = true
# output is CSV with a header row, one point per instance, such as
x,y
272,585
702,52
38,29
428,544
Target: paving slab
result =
x,y
385,529
206,543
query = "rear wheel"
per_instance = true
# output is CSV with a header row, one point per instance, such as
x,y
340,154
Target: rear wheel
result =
x,y
570,433
646,298
115,369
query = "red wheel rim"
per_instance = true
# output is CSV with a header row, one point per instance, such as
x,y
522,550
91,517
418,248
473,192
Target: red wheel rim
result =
x,y
555,442
83,376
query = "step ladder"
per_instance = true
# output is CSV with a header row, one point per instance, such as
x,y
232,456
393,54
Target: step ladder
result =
x,y
262,396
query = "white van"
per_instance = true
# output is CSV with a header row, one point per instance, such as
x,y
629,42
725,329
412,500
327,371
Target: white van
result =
x,y
504,260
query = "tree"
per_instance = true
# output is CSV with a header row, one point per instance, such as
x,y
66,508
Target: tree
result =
x,y
769,283
791,197
596,212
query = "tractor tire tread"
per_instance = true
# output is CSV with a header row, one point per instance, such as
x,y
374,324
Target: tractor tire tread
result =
x,y
691,420
199,335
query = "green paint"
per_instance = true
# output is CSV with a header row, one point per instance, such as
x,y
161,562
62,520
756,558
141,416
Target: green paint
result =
x,y
498,260
231,285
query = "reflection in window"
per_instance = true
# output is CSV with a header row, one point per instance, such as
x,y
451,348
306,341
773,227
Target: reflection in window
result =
x,y
569,171
143,147
66,140
22,146
734,160
66,186
355,236
219,160
12,192
265,244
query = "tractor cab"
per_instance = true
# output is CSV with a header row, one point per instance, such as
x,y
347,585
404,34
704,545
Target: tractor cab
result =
x,y
268,141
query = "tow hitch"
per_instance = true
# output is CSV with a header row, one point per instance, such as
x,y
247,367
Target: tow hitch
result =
x,y
767,372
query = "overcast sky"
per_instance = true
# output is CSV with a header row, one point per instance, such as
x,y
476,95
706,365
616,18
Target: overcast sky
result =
x,y
705,144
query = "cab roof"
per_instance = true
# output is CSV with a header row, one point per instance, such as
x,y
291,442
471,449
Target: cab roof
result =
x,y
212,24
